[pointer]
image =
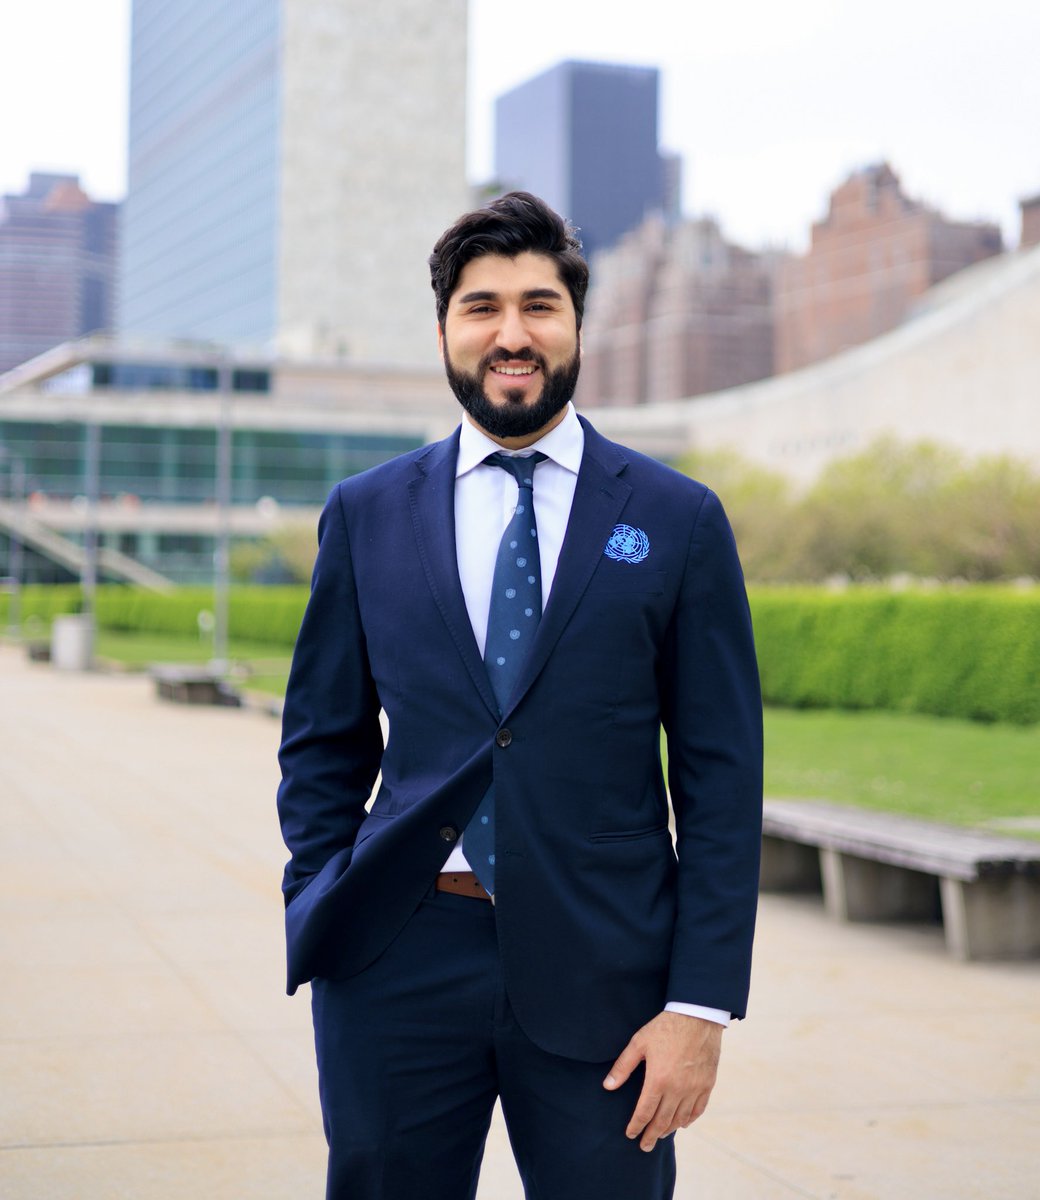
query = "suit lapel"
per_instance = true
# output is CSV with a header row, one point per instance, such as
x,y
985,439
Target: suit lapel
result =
x,y
599,498
431,497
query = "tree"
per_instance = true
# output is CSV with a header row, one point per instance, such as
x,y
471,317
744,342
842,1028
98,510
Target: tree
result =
x,y
284,556
920,509
759,504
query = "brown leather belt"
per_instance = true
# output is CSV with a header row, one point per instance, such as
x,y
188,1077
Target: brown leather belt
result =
x,y
462,883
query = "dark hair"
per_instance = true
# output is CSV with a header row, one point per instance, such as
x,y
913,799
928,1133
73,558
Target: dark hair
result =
x,y
512,224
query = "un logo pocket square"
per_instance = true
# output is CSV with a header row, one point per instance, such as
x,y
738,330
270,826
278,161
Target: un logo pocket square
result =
x,y
627,544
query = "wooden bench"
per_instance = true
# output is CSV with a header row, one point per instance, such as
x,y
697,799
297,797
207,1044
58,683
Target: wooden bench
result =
x,y
193,685
876,866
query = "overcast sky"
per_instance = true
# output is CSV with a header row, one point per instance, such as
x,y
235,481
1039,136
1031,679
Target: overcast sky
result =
x,y
770,104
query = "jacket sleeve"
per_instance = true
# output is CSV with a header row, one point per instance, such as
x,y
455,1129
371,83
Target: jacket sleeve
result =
x,y
331,738
712,716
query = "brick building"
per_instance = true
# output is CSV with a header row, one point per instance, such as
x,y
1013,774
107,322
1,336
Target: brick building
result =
x,y
1030,222
675,310
57,266
871,257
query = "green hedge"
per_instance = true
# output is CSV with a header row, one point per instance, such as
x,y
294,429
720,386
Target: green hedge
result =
x,y
268,615
959,652
956,652
41,604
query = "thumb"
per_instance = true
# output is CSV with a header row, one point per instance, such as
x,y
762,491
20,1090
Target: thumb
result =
x,y
626,1063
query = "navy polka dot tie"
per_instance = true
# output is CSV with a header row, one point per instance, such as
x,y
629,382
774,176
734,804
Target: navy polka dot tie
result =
x,y
516,609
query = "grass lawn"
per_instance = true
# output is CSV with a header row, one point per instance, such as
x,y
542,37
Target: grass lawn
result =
x,y
950,770
255,666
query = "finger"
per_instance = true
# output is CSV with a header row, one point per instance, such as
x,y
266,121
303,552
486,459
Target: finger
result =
x,y
626,1063
662,1124
685,1115
644,1111
688,1113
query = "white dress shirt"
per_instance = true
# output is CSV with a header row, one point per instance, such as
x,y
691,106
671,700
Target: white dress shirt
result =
x,y
485,497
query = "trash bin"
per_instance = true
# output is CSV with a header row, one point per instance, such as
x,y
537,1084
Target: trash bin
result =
x,y
72,643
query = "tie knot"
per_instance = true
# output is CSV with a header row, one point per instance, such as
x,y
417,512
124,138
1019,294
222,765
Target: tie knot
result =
x,y
521,467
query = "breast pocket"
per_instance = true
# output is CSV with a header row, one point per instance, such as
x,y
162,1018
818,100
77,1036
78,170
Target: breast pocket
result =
x,y
620,579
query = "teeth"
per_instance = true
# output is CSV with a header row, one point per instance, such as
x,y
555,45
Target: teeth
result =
x,y
514,370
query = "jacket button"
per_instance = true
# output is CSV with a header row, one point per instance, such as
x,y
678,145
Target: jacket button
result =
x,y
503,738
449,833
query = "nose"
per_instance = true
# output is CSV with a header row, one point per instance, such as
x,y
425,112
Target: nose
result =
x,y
512,333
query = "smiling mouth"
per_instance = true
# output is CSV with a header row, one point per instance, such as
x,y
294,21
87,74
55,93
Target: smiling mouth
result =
x,y
525,370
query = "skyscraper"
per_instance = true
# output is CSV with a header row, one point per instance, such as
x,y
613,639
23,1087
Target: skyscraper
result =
x,y
291,163
57,266
583,136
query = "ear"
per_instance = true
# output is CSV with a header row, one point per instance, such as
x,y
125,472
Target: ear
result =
x,y
440,340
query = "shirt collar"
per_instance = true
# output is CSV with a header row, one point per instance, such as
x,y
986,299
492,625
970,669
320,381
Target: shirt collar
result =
x,y
564,444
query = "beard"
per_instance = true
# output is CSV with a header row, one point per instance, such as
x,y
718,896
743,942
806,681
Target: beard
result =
x,y
514,418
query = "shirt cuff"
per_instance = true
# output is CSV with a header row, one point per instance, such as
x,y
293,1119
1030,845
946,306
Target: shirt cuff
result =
x,y
718,1015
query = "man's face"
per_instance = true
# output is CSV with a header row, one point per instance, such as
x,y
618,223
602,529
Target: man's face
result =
x,y
510,345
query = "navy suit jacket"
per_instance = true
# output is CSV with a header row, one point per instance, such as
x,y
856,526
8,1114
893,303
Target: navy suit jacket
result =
x,y
600,919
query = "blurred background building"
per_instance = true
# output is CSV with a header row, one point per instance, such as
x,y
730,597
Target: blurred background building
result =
x,y
57,266
291,163
675,310
1030,222
962,370
139,425
872,257
583,136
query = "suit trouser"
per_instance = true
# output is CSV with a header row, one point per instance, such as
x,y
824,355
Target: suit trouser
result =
x,y
412,1054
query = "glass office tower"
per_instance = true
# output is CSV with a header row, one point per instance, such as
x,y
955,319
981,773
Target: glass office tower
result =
x,y
583,136
291,163
200,232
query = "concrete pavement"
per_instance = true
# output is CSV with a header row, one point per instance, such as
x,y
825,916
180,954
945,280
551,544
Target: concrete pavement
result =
x,y
148,1052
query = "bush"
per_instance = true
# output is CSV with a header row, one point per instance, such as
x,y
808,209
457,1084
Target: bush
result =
x,y
918,509
133,610
41,603
954,652
285,556
268,615
760,505
964,652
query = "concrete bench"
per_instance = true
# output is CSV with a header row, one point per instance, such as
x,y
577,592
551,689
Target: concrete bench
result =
x,y
193,685
876,866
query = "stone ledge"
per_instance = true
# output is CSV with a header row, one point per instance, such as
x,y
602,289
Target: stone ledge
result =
x,y
193,685
876,866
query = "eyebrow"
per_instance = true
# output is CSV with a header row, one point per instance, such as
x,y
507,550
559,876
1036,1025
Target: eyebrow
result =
x,y
543,293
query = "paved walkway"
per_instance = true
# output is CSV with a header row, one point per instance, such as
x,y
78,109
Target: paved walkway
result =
x,y
147,1051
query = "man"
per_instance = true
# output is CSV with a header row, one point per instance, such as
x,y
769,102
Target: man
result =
x,y
529,604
